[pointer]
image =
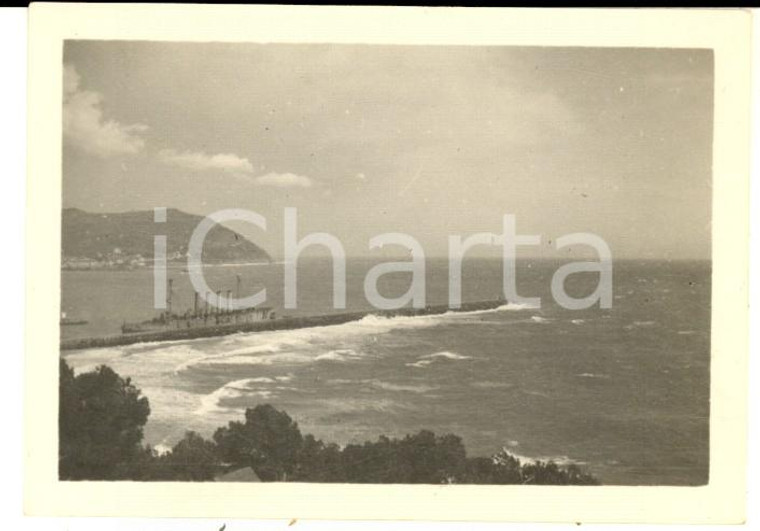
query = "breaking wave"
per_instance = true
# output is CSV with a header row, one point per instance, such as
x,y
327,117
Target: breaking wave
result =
x,y
429,359
385,386
447,355
592,375
213,402
346,354
297,346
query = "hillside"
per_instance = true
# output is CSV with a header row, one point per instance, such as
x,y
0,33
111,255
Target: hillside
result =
x,y
126,239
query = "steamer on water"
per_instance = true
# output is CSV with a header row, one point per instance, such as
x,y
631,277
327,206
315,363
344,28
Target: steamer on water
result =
x,y
200,316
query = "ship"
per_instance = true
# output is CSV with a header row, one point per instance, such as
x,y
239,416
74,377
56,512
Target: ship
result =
x,y
200,315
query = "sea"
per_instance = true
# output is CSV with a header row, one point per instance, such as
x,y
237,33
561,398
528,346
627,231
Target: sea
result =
x,y
623,392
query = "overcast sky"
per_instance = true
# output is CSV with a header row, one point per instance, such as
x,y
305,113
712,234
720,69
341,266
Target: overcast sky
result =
x,y
430,141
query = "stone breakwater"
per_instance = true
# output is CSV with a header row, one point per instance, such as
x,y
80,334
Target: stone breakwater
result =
x,y
282,323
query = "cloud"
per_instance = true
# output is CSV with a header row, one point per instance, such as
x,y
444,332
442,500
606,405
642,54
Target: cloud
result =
x,y
233,164
284,180
84,126
198,161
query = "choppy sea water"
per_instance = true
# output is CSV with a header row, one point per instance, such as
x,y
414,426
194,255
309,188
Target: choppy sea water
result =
x,y
623,391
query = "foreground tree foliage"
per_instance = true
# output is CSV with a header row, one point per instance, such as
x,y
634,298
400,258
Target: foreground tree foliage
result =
x,y
101,419
420,458
102,416
269,442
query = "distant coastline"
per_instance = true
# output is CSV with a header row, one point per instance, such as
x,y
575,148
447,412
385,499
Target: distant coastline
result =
x,y
85,264
125,240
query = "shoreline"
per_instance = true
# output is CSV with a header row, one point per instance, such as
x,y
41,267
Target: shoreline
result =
x,y
172,266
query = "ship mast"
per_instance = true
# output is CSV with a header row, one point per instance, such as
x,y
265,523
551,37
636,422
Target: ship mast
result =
x,y
169,297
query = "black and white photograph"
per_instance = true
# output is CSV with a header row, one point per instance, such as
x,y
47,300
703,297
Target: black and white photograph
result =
x,y
438,264
435,145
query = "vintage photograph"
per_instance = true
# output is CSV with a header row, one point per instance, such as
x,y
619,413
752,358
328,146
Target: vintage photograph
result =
x,y
385,264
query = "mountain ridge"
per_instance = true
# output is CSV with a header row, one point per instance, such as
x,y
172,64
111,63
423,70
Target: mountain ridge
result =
x,y
126,239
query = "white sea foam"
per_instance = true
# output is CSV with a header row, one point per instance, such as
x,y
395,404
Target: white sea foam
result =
x,y
346,354
356,405
539,319
592,375
267,348
289,346
284,345
282,358
577,321
429,359
421,364
509,307
87,360
167,403
492,385
518,306
560,460
447,355
212,402
341,381
134,360
209,358
162,448
388,386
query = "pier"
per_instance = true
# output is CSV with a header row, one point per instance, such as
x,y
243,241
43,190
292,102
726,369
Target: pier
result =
x,y
282,323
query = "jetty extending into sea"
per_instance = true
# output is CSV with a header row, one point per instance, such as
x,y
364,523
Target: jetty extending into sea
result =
x,y
281,323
